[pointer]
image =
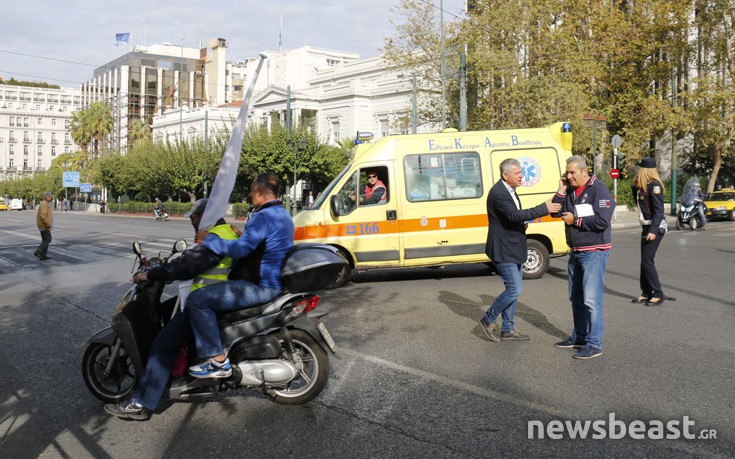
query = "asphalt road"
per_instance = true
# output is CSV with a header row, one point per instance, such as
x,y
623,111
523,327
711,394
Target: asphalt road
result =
x,y
413,376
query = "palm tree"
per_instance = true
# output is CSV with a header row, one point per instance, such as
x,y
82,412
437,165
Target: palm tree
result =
x,y
140,131
80,132
100,124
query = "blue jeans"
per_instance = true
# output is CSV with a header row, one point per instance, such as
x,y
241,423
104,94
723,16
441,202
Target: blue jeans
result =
x,y
204,303
507,302
586,289
161,360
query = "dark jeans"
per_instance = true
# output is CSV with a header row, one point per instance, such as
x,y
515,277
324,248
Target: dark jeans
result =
x,y
161,360
650,284
204,303
45,241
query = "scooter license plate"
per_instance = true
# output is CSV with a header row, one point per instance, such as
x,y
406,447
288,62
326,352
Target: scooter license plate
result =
x,y
325,334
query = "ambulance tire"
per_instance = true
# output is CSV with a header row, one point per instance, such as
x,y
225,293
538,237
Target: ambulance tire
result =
x,y
537,262
344,274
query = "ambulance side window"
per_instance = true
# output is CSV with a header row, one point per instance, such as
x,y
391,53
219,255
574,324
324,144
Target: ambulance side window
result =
x,y
347,196
436,177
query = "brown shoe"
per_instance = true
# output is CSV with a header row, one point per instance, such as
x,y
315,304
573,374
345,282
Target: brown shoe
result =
x,y
491,330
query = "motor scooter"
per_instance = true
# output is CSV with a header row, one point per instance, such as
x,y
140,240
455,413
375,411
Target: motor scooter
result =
x,y
689,212
279,348
160,215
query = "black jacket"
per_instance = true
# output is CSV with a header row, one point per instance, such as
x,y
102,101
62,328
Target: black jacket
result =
x,y
506,235
651,202
592,232
190,264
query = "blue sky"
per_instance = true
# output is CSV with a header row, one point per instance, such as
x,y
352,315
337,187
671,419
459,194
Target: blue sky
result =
x,y
62,42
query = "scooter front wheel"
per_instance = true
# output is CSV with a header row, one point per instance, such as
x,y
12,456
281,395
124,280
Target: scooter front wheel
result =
x,y
114,386
314,375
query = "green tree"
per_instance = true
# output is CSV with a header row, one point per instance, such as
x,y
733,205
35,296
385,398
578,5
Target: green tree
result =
x,y
139,130
100,122
81,133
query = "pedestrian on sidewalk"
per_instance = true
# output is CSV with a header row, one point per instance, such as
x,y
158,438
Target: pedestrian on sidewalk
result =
x,y
648,188
44,221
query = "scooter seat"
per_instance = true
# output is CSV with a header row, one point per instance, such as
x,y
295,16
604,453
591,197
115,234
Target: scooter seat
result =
x,y
241,314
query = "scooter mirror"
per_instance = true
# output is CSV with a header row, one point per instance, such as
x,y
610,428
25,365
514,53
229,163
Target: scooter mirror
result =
x,y
136,248
179,246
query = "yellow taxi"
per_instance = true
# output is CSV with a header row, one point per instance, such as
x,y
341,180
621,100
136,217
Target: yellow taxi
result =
x,y
3,204
721,204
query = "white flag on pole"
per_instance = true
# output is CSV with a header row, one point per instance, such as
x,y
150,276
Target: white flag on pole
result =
x,y
224,182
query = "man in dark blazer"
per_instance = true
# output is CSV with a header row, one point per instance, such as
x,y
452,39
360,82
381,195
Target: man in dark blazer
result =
x,y
506,247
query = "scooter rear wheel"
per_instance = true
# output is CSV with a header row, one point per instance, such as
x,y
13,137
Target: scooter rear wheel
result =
x,y
115,386
312,379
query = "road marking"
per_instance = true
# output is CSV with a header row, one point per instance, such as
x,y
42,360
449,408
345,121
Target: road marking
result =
x,y
481,391
27,236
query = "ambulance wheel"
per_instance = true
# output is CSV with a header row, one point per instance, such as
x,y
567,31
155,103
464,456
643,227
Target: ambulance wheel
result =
x,y
344,274
537,262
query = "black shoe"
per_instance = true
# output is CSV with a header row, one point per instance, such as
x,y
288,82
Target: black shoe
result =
x,y
569,343
491,330
655,303
514,336
640,299
38,255
127,409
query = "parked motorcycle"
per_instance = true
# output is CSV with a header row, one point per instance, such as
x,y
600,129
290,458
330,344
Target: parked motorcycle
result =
x,y
159,215
279,348
689,207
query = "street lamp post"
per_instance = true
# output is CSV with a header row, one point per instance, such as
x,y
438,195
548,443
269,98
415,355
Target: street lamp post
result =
x,y
592,121
300,145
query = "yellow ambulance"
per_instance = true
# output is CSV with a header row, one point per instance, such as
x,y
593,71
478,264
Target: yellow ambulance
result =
x,y
432,210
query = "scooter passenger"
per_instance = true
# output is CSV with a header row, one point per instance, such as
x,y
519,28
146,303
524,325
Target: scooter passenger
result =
x,y
260,251
205,267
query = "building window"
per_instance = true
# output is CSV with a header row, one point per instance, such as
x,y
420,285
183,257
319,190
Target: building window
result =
x,y
12,150
53,122
66,150
40,150
11,121
51,107
53,137
25,164
384,128
38,107
25,122
335,130
53,150
25,150
38,165
25,137
10,162
40,136
40,121
12,137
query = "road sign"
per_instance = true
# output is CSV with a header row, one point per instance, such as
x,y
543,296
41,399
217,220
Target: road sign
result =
x,y
616,141
85,188
70,179
614,174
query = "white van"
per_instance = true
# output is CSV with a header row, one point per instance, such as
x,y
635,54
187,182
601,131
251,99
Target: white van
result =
x,y
16,204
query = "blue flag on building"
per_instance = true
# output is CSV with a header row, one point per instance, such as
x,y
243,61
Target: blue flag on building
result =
x,y
121,38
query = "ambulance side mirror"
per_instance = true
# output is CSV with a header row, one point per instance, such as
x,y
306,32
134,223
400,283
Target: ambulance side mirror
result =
x,y
334,206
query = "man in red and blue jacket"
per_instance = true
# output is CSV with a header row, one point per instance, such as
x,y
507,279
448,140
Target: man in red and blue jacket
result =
x,y
587,208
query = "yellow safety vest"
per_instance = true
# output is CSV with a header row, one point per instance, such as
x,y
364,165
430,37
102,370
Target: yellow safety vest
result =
x,y
216,273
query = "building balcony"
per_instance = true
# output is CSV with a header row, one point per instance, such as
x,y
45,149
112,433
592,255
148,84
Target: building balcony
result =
x,y
40,141
12,140
54,142
26,140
